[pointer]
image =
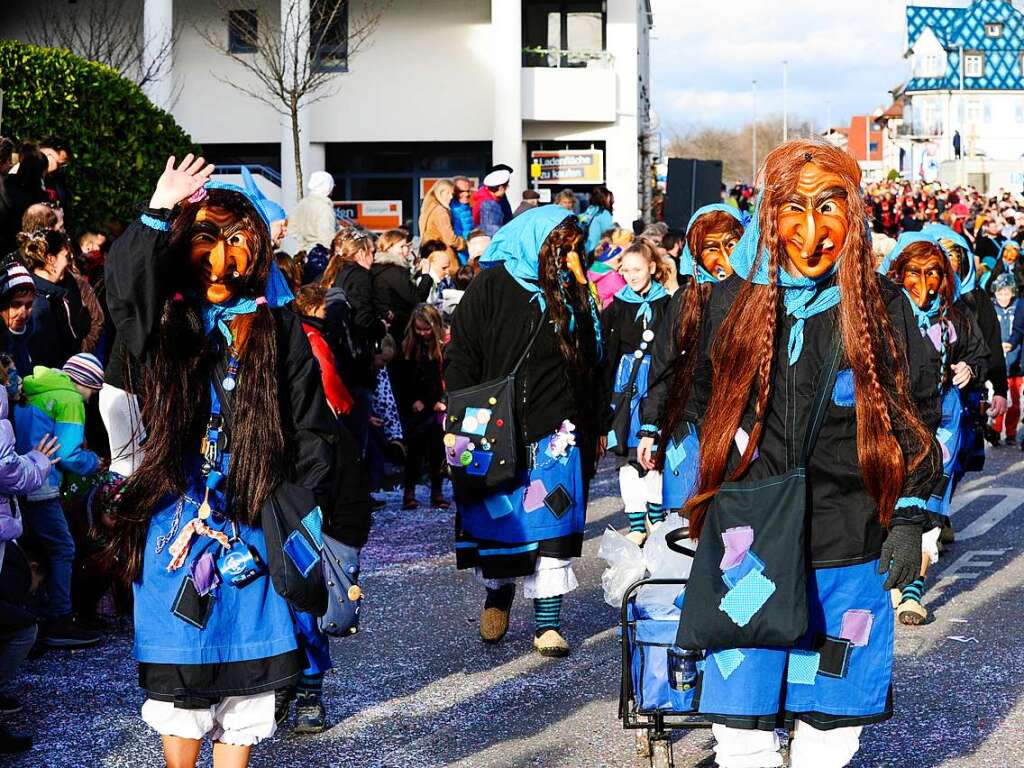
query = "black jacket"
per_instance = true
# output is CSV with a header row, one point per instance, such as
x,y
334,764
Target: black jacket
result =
x,y
136,297
412,380
395,295
366,326
665,356
491,329
980,305
844,527
53,338
623,333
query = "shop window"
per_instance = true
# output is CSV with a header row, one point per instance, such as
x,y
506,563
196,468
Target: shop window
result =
x,y
328,35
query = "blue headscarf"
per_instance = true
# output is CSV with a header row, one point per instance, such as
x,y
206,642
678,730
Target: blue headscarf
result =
x,y
1003,247
277,292
270,210
802,296
517,246
941,232
688,265
655,291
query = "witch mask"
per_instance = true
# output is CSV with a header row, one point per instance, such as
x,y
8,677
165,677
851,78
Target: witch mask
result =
x,y
812,221
221,252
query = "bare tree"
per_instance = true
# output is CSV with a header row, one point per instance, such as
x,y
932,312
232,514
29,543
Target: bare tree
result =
x,y
109,32
294,59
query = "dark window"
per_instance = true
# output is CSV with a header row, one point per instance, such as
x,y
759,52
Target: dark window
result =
x,y
243,27
328,39
565,33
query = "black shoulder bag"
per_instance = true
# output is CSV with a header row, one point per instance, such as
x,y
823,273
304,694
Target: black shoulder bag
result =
x,y
482,437
748,585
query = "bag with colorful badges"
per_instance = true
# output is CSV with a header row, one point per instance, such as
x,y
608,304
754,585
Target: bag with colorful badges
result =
x,y
482,440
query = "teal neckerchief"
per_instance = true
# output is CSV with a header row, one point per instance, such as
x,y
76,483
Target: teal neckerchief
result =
x,y
654,292
804,298
220,315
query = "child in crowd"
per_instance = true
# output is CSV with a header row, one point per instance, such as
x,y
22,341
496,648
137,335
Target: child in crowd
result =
x,y
311,305
1008,307
450,297
55,405
420,391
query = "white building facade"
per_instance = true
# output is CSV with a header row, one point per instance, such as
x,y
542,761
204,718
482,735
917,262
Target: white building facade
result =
x,y
966,87
443,88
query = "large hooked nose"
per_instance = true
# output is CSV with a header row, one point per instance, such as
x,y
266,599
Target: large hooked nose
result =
x,y
810,234
218,262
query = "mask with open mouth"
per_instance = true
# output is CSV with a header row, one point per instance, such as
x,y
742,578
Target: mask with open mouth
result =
x,y
812,222
221,251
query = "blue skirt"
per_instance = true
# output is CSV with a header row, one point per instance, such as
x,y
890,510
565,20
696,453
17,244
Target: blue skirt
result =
x,y
839,674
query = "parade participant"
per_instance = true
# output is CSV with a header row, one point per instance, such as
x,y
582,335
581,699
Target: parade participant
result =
x,y
814,361
920,266
597,219
225,371
1008,307
604,270
629,326
712,233
978,303
533,304
1009,263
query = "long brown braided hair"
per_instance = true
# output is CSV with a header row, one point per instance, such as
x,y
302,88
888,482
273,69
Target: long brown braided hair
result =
x,y
742,360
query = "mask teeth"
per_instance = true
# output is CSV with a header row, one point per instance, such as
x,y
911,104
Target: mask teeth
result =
x,y
720,273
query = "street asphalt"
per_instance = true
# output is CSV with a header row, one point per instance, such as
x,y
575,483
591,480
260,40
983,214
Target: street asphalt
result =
x,y
417,689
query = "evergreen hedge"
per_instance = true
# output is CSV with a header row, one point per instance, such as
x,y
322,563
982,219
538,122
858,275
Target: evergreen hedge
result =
x,y
119,140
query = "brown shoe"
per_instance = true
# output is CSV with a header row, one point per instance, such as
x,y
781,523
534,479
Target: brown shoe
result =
x,y
551,644
494,617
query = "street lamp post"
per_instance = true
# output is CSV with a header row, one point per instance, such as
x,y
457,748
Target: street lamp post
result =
x,y
785,100
753,133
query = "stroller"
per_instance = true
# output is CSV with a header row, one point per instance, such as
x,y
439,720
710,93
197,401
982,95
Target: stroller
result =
x,y
659,681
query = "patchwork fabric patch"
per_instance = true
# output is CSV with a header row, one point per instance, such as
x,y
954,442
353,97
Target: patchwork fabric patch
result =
x,y
533,499
856,627
728,661
835,656
675,455
737,542
475,421
750,562
456,449
613,441
844,392
301,553
498,505
747,598
314,523
802,667
480,464
558,501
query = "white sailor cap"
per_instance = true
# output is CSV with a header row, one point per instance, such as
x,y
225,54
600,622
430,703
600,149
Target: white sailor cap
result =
x,y
497,177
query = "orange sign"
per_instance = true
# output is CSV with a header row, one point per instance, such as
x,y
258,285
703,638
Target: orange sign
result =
x,y
374,215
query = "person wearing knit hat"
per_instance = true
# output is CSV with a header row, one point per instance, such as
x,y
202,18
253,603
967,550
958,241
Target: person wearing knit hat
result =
x,y
1009,309
86,371
17,294
312,222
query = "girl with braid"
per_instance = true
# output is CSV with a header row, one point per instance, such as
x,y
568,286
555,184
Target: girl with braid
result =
x,y
712,235
532,299
919,264
806,300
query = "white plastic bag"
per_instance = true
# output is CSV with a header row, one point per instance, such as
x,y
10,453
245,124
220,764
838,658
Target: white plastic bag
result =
x,y
660,561
625,565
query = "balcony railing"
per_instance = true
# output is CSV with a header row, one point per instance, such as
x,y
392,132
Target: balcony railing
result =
x,y
924,130
558,58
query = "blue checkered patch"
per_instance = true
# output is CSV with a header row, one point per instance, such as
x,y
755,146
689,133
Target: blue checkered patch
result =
x,y
747,597
803,667
728,661
314,523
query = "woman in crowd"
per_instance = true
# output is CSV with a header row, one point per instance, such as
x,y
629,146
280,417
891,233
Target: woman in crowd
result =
x,y
225,371
711,235
47,254
597,219
354,337
395,290
17,297
919,265
816,361
436,219
534,304
629,325
419,391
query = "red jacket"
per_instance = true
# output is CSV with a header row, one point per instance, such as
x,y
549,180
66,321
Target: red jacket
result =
x,y
338,396
478,198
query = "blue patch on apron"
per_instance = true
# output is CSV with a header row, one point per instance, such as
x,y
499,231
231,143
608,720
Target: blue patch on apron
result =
x,y
844,393
682,468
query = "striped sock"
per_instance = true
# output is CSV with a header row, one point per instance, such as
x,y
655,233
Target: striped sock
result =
x,y
656,513
310,683
913,591
636,522
547,612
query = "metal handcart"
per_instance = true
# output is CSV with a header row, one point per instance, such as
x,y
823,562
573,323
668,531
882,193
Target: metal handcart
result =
x,y
658,680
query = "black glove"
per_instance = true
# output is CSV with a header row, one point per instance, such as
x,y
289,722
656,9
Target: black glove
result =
x,y
901,556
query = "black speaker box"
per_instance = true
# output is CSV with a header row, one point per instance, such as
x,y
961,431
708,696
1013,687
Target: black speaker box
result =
x,y
691,184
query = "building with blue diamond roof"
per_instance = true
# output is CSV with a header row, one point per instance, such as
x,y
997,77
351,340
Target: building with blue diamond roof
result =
x,y
963,118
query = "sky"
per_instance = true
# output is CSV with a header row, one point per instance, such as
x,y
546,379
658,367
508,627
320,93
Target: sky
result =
x,y
705,55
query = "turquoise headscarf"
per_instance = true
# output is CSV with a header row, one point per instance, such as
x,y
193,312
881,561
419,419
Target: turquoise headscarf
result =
x,y
802,296
517,246
688,265
277,292
655,291
270,210
940,232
